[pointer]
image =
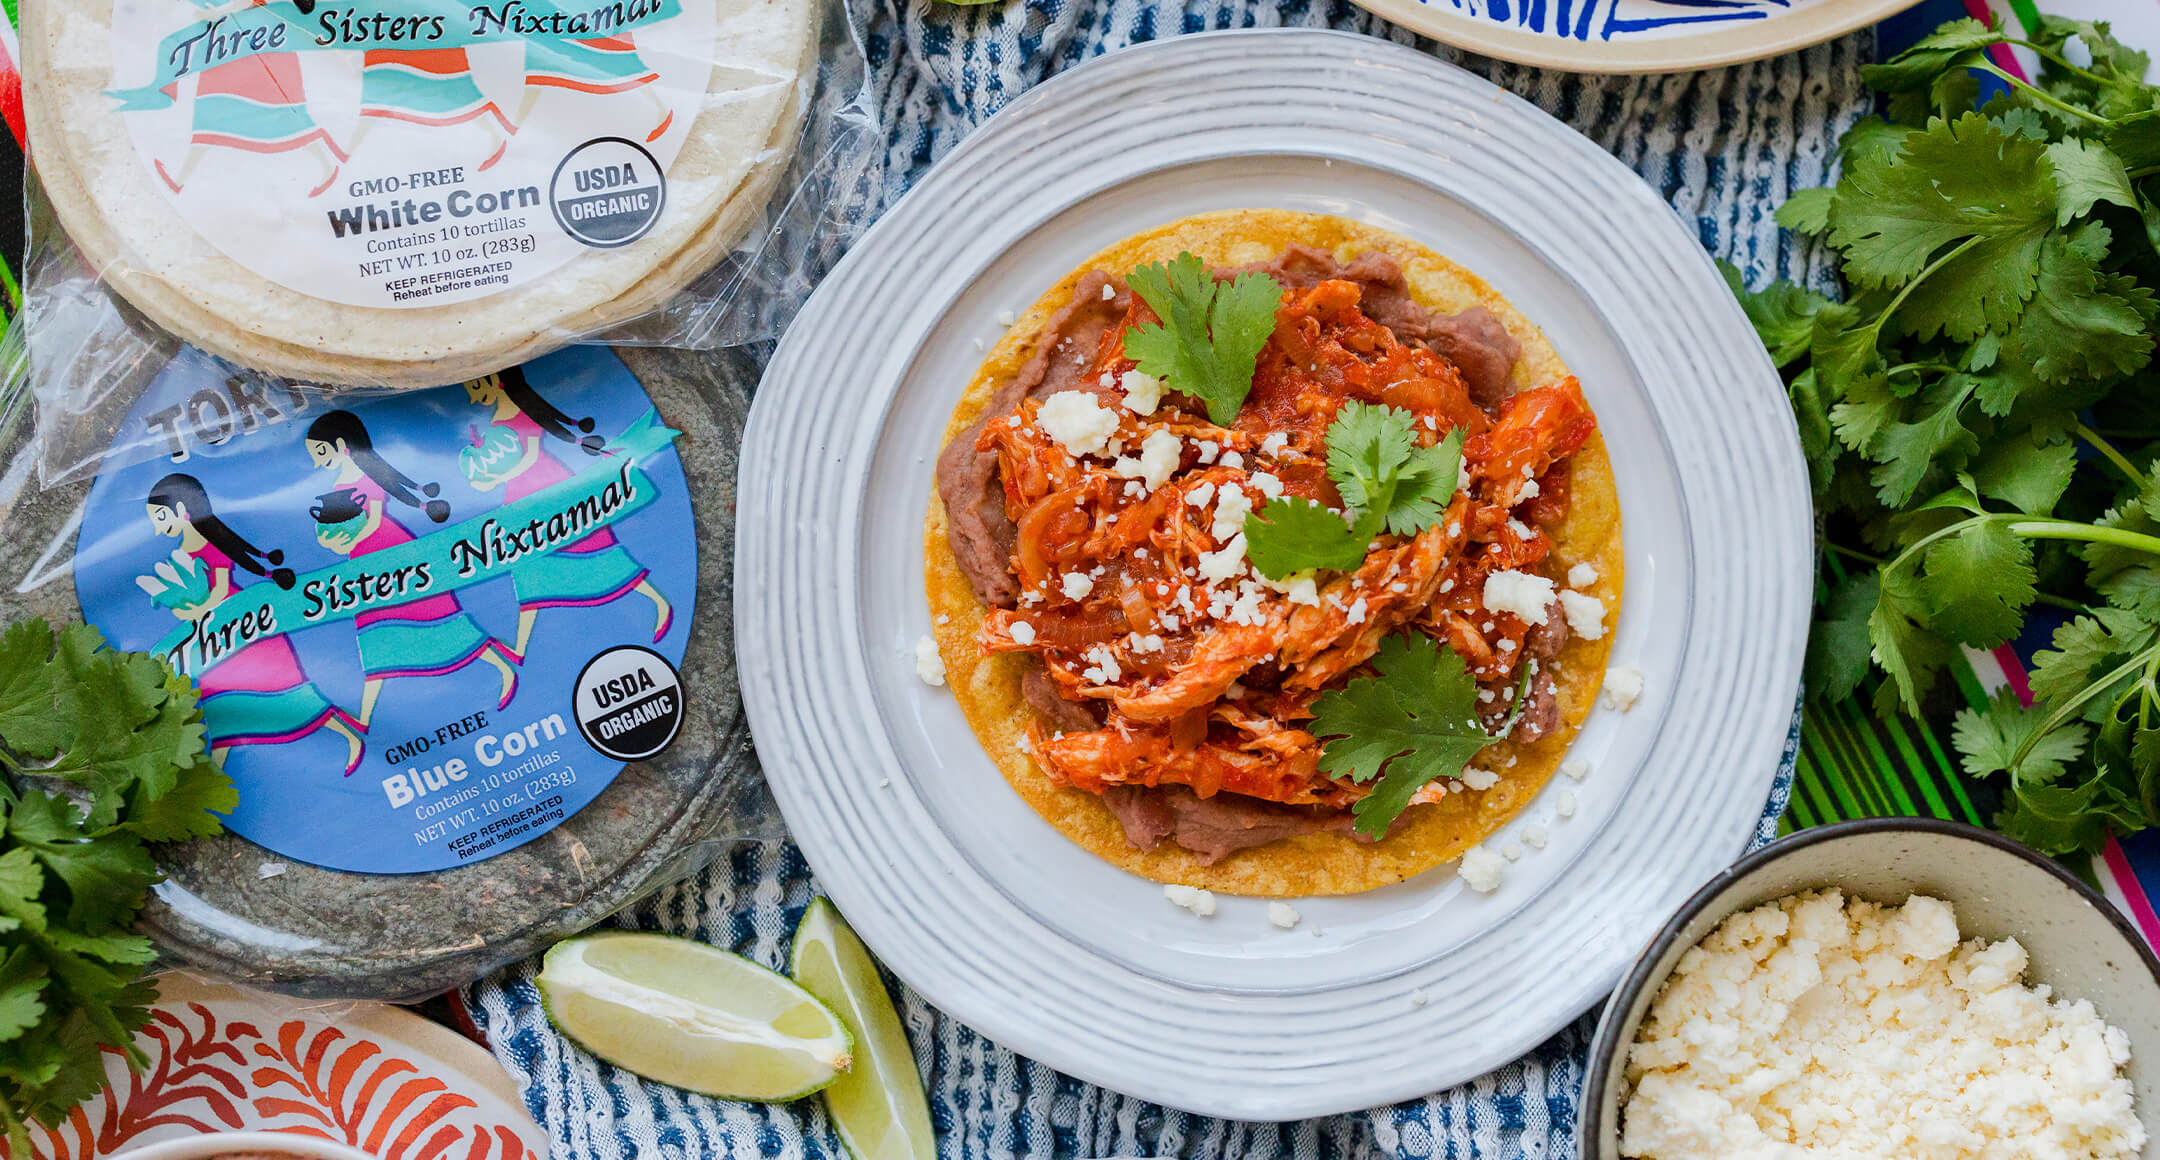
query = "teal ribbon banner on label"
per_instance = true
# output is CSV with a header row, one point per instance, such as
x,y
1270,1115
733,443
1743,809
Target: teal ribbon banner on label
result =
x,y
463,554
405,25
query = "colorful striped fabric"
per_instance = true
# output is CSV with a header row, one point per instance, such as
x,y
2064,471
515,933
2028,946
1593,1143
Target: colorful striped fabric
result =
x,y
1857,763
11,173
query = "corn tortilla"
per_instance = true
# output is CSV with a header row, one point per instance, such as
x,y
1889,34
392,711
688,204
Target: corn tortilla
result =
x,y
741,139
988,688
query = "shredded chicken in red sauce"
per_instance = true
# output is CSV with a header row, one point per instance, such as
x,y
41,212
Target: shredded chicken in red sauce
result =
x,y
1207,682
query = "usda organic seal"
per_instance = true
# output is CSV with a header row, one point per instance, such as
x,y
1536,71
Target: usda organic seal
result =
x,y
629,702
608,192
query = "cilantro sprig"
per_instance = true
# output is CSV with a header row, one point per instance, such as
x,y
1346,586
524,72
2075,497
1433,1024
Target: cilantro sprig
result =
x,y
102,752
1387,482
1981,415
1291,535
1211,334
1413,722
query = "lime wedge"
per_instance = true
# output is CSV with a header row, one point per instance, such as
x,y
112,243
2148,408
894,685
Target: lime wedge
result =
x,y
678,1011
878,1106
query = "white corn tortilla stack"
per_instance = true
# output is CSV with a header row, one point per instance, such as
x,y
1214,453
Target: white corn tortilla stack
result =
x,y
108,198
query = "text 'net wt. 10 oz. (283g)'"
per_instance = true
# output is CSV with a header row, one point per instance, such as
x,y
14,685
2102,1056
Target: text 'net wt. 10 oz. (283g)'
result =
x,y
464,652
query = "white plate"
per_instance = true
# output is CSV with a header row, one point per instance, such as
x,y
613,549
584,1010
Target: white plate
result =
x,y
988,911
1634,36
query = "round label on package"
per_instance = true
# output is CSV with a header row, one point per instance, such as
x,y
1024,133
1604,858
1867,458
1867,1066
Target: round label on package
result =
x,y
401,153
629,702
426,627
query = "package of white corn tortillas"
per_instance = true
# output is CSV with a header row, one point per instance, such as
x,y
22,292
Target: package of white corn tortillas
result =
x,y
408,193
465,652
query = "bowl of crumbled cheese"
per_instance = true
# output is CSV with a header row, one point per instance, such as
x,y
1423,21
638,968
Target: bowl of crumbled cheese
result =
x,y
1883,988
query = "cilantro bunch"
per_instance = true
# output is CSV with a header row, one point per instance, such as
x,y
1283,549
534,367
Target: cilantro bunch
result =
x,y
1980,413
101,752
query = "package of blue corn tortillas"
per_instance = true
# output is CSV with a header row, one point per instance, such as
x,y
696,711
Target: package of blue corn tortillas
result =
x,y
465,652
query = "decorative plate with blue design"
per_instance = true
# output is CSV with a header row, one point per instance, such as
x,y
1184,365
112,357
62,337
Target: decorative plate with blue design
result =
x,y
1613,36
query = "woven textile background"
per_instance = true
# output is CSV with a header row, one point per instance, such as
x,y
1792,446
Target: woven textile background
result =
x,y
1724,147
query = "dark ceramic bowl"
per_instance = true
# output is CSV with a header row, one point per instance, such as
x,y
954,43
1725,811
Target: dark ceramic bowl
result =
x,y
2077,941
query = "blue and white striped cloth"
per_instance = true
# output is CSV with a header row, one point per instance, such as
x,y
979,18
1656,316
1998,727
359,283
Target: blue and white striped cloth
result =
x,y
1725,147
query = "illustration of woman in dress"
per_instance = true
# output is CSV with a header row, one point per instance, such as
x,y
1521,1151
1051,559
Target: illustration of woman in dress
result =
x,y
256,103
601,64
259,695
427,86
513,455
427,637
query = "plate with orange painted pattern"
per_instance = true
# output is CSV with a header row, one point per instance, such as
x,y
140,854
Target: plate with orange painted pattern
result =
x,y
375,1077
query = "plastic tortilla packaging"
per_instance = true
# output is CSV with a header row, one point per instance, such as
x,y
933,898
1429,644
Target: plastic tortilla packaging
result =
x,y
465,652
407,193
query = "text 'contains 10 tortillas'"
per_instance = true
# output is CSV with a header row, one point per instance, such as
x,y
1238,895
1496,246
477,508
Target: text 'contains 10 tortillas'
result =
x,y
409,192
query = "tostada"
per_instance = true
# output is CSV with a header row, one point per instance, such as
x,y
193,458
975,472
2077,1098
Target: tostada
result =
x,y
1274,553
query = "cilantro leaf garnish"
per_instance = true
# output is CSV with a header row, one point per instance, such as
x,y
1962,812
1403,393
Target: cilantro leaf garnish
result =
x,y
105,876
2028,474
126,734
189,809
1382,473
2112,83
21,978
1368,446
1807,211
104,720
1290,535
2085,323
2086,174
1211,333
1413,722
1388,482
2086,654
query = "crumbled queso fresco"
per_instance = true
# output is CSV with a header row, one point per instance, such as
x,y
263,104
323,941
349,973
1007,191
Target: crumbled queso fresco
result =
x,y
1080,425
928,664
1622,688
1811,1028
1192,898
1526,594
1481,869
